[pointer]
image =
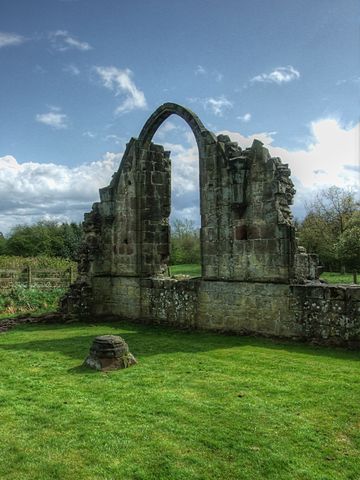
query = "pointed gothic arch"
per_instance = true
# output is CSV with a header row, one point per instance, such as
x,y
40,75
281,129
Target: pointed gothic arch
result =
x,y
202,134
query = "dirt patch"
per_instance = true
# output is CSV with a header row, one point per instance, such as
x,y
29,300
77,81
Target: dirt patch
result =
x,y
8,323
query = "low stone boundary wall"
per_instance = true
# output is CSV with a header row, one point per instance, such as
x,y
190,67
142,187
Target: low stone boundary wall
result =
x,y
324,313
328,313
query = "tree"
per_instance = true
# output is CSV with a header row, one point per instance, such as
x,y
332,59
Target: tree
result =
x,y
335,206
72,236
348,245
45,238
185,242
328,216
2,244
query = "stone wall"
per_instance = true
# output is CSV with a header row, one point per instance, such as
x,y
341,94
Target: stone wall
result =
x,y
255,276
324,313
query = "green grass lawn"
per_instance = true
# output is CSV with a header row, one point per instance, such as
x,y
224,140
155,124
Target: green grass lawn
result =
x,y
334,277
195,271
197,406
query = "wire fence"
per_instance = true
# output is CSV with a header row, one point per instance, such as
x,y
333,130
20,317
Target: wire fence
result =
x,y
31,277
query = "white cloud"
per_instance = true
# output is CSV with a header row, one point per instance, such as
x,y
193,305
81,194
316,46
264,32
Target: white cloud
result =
x,y
11,39
72,69
62,41
121,82
218,76
200,70
279,76
89,134
54,118
245,118
216,105
354,80
331,158
114,139
164,129
32,191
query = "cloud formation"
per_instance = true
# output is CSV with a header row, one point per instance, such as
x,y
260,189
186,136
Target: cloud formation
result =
x,y
33,191
10,39
72,69
200,70
121,83
61,40
279,76
54,119
331,158
216,105
245,118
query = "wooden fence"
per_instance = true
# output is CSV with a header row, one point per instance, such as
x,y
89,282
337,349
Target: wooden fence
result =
x,y
30,277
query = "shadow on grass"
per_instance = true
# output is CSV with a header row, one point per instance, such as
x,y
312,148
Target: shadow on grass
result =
x,y
150,340
83,370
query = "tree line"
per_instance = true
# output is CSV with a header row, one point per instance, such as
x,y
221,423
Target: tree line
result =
x,y
63,240
43,238
331,229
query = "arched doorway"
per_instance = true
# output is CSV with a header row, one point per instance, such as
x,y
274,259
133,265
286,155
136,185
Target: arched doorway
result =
x,y
206,143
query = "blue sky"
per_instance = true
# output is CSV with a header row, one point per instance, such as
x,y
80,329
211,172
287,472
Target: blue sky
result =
x,y
80,77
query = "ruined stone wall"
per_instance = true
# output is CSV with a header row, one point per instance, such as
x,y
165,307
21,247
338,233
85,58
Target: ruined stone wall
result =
x,y
257,235
247,232
255,277
324,313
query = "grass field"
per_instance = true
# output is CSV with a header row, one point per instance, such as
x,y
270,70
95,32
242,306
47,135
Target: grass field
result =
x,y
29,300
42,261
333,277
194,270
197,406
22,300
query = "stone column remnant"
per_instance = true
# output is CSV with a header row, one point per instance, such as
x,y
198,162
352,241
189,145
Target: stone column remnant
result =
x,y
109,352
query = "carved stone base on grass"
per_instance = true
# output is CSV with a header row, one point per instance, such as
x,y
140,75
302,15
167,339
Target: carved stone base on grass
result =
x,y
109,352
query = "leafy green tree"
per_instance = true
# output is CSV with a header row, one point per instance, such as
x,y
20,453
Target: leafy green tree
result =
x,y
348,245
45,238
185,242
2,244
72,236
328,216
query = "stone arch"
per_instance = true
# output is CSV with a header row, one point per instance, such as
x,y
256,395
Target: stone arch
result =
x,y
202,134
208,151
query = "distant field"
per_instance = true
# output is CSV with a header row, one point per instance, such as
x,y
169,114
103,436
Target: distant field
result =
x,y
37,300
43,261
333,277
194,270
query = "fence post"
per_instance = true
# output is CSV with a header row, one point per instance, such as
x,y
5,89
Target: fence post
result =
x,y
72,274
29,276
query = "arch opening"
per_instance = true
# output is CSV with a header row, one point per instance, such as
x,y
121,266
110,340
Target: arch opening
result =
x,y
177,137
153,255
166,110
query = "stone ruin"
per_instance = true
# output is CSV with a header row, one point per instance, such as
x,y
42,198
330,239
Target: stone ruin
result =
x,y
255,276
109,352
